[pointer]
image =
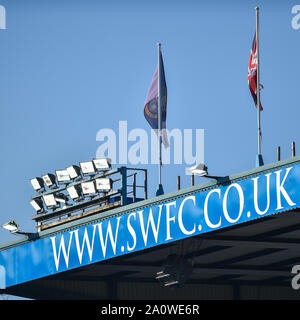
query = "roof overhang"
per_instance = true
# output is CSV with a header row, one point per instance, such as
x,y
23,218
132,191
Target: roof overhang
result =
x,y
242,228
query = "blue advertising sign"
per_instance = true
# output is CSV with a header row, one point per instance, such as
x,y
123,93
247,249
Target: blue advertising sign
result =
x,y
186,216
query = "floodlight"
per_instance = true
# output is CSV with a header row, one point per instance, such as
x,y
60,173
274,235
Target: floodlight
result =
x,y
11,226
52,200
102,164
175,271
88,187
37,204
87,167
199,170
62,175
49,200
171,283
37,183
74,172
75,192
161,274
61,198
104,184
49,179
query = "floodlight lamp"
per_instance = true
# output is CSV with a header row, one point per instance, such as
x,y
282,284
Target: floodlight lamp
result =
x,y
171,283
37,204
175,271
37,183
87,167
75,192
61,198
49,200
62,175
199,170
104,184
88,187
11,226
161,274
74,172
102,164
49,180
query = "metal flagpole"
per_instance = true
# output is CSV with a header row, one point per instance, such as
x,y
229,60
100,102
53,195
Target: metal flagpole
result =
x,y
160,188
259,159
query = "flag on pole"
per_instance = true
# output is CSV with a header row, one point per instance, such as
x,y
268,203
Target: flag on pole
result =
x,y
252,72
151,103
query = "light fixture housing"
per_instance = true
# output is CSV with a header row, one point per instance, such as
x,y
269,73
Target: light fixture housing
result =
x,y
74,172
37,183
54,199
175,271
88,187
49,200
199,170
62,176
11,226
61,198
49,180
102,164
103,184
75,192
87,167
37,204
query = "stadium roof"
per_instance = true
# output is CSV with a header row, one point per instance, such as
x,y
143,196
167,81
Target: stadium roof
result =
x,y
227,262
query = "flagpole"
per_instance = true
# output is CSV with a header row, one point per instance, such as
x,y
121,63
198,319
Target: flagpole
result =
x,y
259,159
159,114
160,187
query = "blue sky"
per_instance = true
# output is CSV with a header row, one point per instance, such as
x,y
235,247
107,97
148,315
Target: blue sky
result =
x,y
71,68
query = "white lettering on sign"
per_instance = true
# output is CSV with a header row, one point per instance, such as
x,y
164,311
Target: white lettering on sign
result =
x,y
256,206
154,227
182,217
86,240
131,231
169,219
206,217
281,190
180,222
62,248
241,200
2,277
112,238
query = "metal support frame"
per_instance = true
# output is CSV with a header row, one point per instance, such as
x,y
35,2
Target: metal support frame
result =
x,y
145,186
123,171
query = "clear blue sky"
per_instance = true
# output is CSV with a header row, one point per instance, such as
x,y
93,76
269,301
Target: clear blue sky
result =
x,y
70,68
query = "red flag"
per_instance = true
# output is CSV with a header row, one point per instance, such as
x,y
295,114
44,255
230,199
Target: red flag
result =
x,y
252,72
